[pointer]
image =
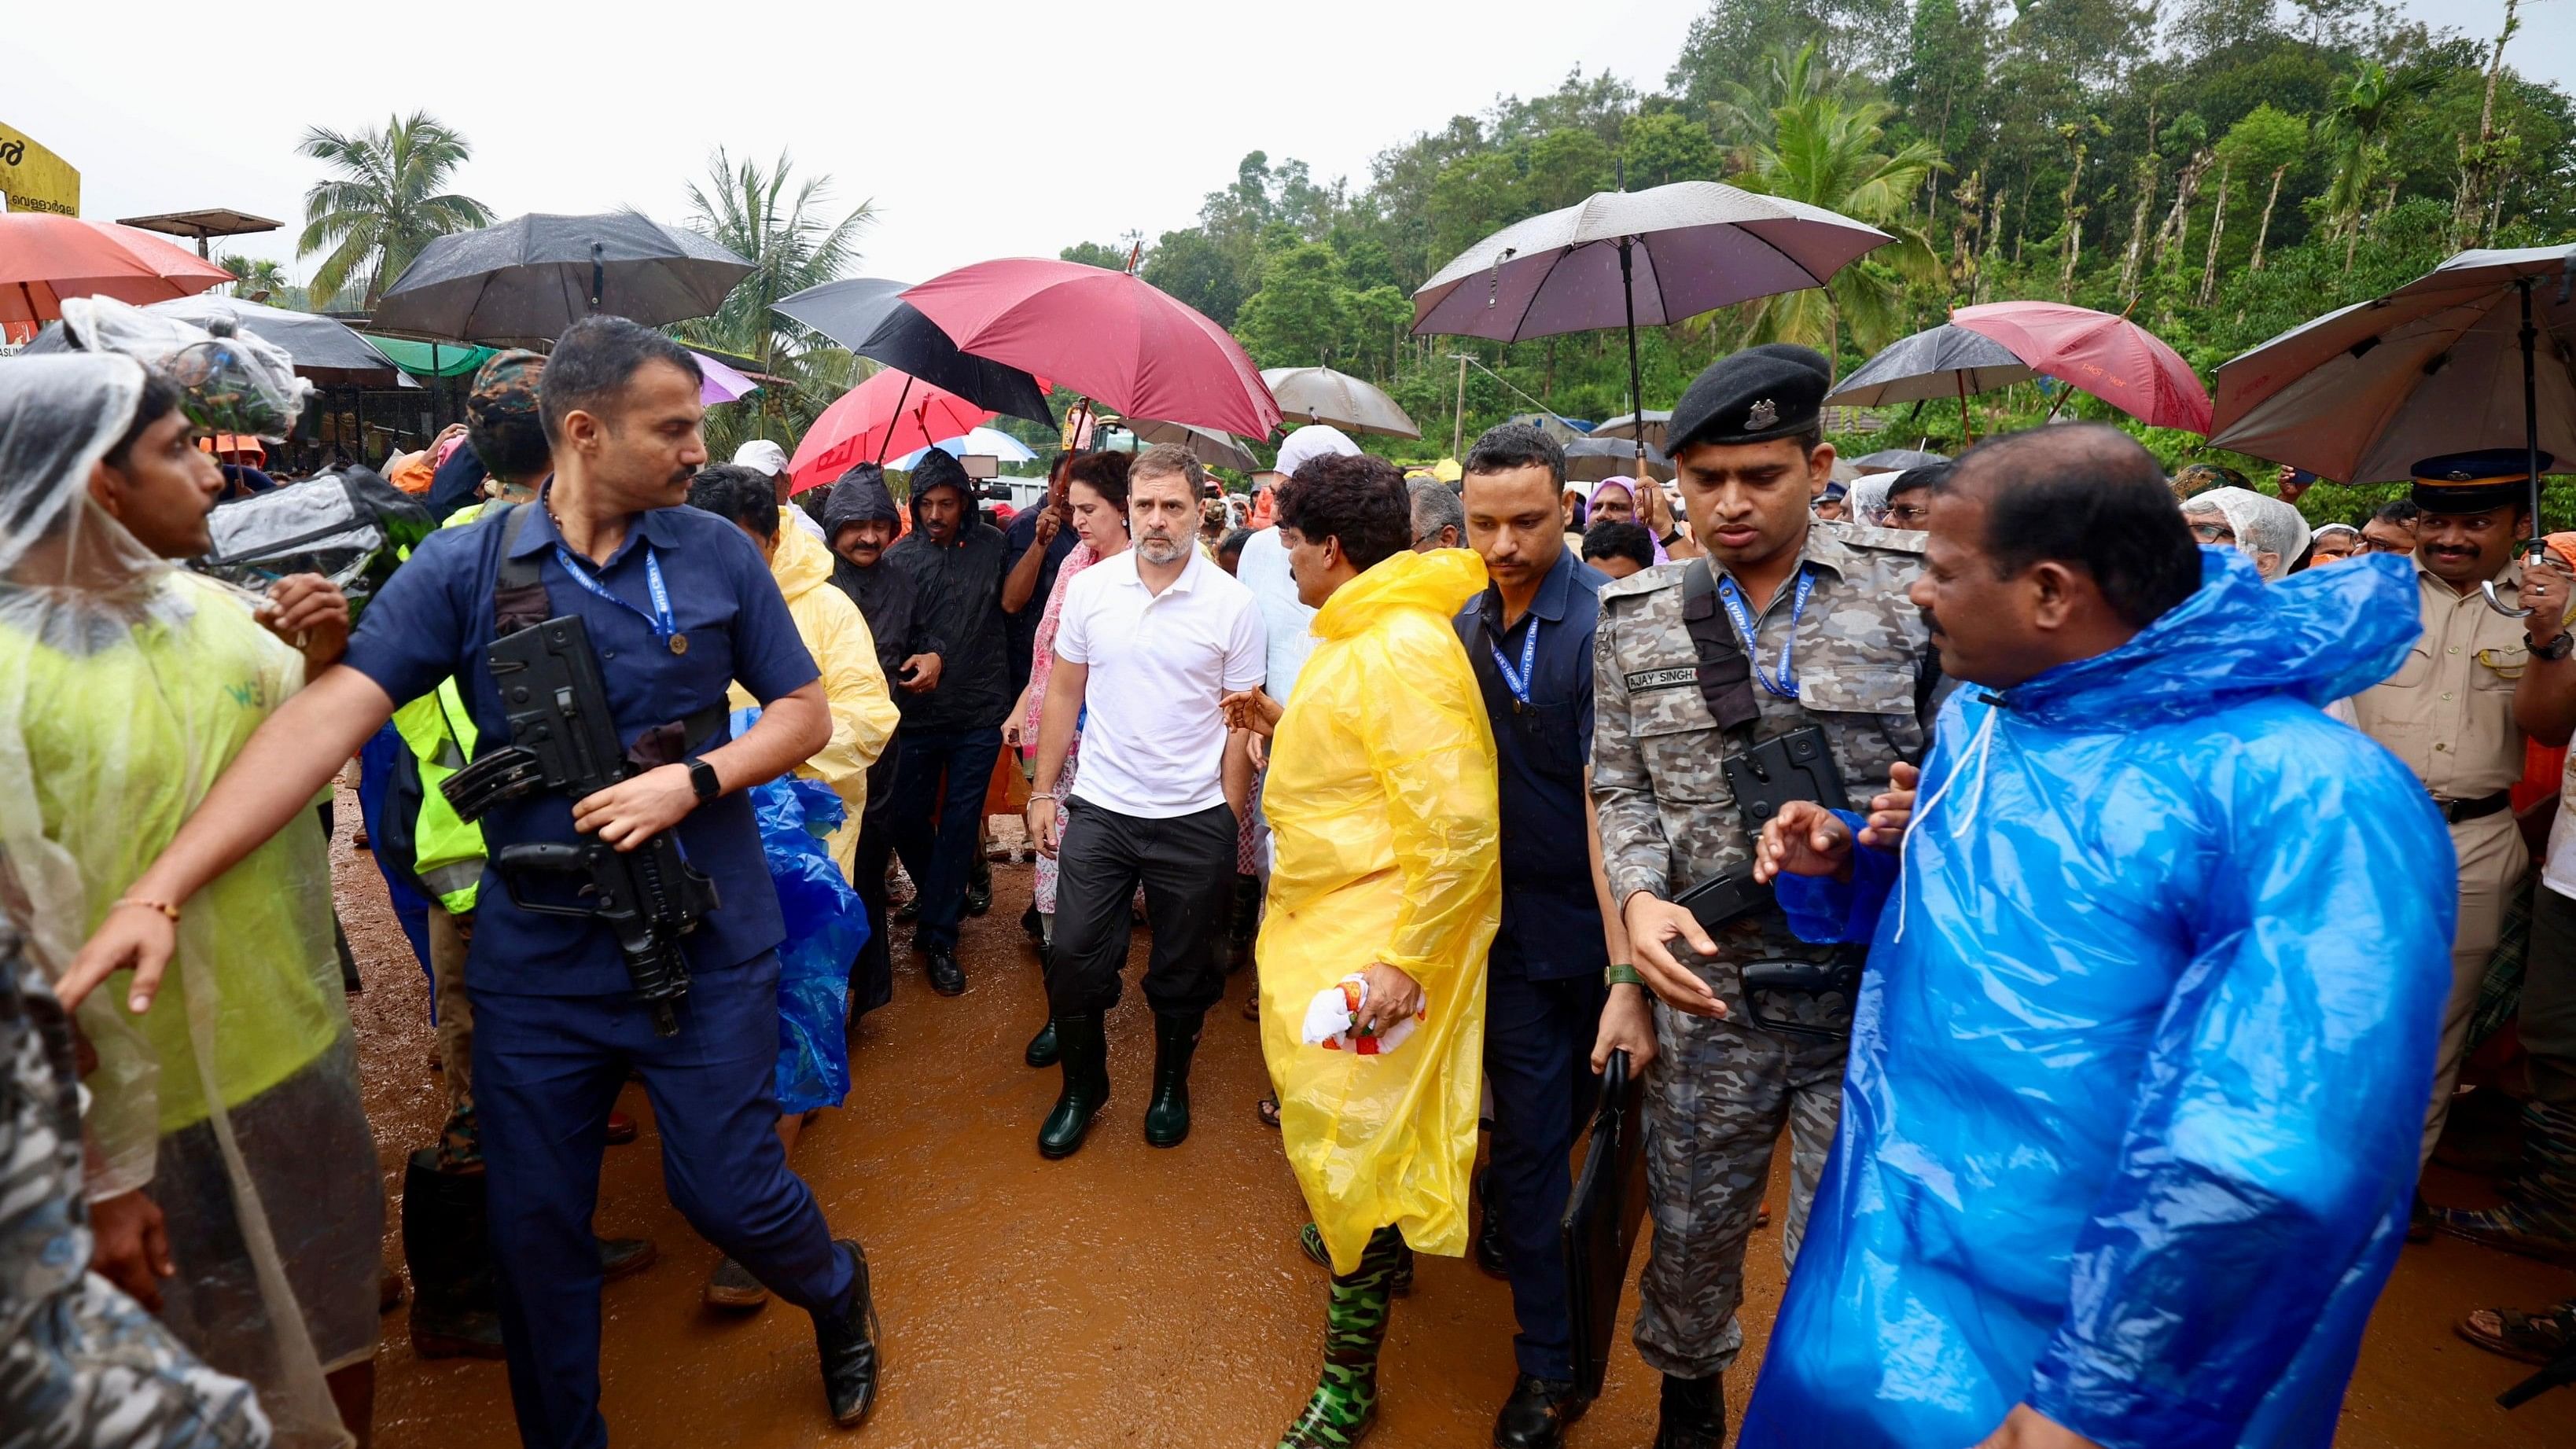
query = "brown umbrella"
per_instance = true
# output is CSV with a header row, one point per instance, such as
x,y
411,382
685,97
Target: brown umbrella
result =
x,y
1321,395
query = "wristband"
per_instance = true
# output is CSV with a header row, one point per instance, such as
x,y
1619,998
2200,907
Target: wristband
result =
x,y
1041,794
1623,974
1669,539
164,907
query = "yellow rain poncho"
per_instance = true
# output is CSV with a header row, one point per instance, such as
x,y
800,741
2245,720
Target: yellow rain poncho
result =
x,y
854,684
126,687
1382,812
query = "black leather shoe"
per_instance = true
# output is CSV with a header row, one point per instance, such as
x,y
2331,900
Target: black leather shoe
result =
x,y
1167,1115
1042,1047
1033,926
909,911
848,1347
946,976
1082,1049
1536,1414
620,1257
979,892
1692,1415
1489,1245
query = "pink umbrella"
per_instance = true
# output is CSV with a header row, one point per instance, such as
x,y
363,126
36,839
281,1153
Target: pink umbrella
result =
x,y
1107,335
889,415
719,383
45,258
2110,357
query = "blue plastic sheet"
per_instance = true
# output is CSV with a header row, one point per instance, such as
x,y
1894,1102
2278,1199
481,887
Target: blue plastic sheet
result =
x,y
826,926
2139,1067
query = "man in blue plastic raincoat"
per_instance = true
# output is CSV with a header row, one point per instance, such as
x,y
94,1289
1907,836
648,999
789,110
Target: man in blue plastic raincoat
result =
x,y
2136,1075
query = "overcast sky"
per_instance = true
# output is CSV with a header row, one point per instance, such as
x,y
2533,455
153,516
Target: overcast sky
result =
x,y
979,128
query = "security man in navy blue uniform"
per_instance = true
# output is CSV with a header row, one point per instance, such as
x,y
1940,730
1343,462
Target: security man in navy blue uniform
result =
x,y
678,603
1529,638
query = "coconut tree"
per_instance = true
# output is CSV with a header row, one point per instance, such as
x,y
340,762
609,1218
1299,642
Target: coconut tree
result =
x,y
388,200
786,229
1825,150
255,279
2355,132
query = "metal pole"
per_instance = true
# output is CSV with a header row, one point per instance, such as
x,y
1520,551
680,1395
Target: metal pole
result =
x,y
1458,428
900,399
2534,546
1636,393
2530,407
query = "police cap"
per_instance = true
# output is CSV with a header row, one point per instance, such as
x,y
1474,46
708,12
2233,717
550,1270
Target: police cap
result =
x,y
2475,482
1773,391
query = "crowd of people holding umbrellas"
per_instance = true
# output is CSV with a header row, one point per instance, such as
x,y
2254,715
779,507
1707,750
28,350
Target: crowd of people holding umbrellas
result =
x,y
179,688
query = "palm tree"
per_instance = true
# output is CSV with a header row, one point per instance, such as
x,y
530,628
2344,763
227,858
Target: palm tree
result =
x,y
2355,132
387,203
785,229
256,278
1824,151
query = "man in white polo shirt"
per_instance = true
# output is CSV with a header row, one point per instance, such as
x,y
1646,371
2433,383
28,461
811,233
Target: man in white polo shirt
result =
x,y
1147,644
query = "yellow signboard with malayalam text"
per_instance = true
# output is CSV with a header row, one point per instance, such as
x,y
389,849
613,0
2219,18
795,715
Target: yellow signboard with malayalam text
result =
x,y
35,179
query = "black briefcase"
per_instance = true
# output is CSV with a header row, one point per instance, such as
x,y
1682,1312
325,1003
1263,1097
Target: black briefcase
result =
x,y
1603,1220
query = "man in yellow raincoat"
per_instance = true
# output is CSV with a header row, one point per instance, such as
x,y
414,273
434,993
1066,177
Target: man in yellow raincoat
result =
x,y
1381,801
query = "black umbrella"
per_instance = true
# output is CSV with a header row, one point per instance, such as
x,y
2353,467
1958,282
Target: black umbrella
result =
x,y
529,278
1897,460
1590,460
1938,362
868,316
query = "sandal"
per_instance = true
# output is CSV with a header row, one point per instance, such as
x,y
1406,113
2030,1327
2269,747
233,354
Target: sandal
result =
x,y
2528,1338
1267,1109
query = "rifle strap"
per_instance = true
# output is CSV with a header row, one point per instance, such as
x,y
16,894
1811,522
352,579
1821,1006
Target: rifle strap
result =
x,y
1725,670
519,602
518,590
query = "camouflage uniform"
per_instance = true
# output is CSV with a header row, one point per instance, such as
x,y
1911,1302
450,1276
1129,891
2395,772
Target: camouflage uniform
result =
x,y
1717,1098
82,1366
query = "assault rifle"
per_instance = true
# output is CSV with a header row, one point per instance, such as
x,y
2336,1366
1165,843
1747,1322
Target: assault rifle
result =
x,y
562,738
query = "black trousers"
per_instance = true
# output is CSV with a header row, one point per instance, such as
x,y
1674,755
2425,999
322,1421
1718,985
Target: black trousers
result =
x,y
1538,1049
1185,863
872,975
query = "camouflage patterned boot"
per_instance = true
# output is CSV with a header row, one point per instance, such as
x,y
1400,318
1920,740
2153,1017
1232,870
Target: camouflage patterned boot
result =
x,y
1344,1407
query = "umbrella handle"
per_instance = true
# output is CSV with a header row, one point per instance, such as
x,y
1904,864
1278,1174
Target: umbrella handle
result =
x,y
2488,588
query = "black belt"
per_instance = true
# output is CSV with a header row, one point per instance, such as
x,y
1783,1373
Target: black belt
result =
x,y
2456,811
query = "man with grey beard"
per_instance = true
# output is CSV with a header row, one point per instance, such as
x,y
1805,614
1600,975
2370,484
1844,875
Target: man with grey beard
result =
x,y
1166,634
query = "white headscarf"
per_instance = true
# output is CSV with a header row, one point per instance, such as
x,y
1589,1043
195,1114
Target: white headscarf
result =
x,y
2269,531
1315,440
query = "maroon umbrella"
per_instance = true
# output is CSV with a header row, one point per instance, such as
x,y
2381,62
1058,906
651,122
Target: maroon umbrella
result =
x,y
1104,334
2110,357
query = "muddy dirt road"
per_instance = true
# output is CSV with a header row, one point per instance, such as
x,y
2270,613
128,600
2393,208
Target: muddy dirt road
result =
x,y
1130,1296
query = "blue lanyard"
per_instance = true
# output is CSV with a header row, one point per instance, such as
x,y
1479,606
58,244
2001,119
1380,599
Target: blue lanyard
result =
x,y
1519,684
664,626
1785,686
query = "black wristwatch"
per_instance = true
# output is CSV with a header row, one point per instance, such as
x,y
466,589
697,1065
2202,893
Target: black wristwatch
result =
x,y
702,778
1669,539
2556,649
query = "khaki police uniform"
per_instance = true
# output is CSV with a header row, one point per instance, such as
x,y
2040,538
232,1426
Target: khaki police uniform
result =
x,y
1721,1091
2448,713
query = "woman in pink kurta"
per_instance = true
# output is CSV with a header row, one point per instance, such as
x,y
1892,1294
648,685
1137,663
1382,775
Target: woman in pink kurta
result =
x,y
1099,509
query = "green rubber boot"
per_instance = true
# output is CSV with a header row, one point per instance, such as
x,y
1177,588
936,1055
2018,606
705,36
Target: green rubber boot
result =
x,y
1344,1407
1082,1049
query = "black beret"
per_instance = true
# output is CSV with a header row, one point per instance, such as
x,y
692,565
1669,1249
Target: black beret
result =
x,y
1773,391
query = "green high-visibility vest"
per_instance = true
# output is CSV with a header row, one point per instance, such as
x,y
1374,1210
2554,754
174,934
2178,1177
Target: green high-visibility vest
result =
x,y
447,852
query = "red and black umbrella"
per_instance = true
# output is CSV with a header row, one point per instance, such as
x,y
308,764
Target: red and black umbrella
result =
x,y
1107,335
